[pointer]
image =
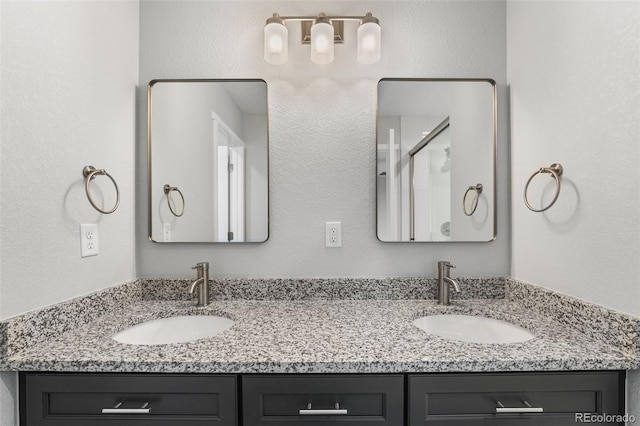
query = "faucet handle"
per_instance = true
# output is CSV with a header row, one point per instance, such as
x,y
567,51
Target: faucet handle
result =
x,y
201,265
445,264
447,268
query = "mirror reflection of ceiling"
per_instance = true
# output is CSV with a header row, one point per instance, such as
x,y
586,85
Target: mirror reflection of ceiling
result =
x,y
409,98
250,99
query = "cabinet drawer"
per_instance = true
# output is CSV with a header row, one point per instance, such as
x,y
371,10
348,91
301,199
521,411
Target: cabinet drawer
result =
x,y
511,398
127,399
323,400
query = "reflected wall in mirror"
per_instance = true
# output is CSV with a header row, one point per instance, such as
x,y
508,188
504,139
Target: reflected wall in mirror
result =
x,y
208,161
436,149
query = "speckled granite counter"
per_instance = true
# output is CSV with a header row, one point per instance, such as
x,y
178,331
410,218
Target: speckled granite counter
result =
x,y
332,335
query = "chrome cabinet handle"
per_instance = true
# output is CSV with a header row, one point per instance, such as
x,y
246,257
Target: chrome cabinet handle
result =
x,y
337,411
526,409
117,410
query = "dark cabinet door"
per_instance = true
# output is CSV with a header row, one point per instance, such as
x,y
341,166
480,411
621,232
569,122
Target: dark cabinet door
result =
x,y
318,400
127,399
503,399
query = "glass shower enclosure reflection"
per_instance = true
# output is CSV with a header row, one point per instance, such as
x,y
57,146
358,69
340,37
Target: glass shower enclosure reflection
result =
x,y
430,186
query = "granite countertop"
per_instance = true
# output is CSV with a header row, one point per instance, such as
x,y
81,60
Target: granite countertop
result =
x,y
322,336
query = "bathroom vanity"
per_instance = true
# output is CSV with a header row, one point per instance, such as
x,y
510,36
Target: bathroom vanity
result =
x,y
321,352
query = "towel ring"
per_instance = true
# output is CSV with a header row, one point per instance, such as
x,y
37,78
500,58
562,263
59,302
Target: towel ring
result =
x,y
556,171
476,190
168,190
90,172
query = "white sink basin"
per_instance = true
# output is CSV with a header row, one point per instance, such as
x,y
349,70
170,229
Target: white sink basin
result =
x,y
470,328
177,329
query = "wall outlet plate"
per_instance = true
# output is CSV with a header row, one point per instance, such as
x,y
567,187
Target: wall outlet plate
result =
x,y
166,232
333,234
89,239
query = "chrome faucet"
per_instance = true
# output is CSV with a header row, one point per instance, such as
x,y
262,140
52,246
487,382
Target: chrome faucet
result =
x,y
444,281
201,283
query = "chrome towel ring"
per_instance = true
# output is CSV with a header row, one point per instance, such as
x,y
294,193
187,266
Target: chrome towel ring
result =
x,y
476,190
90,172
555,170
168,190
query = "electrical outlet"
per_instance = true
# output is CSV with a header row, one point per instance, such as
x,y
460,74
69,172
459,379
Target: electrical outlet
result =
x,y
89,239
166,232
333,234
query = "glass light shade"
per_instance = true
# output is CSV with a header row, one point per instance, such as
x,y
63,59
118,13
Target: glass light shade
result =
x,y
276,43
322,43
369,43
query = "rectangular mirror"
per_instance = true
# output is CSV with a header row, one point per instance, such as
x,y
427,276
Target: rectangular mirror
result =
x,y
436,151
208,161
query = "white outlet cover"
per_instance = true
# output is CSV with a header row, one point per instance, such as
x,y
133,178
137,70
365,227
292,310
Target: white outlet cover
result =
x,y
89,240
333,234
166,232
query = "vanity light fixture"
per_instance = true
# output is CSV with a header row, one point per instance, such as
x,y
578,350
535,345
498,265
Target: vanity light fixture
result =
x,y
322,37
276,44
322,32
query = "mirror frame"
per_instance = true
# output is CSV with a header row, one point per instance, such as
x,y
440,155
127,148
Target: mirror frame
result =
x,y
494,143
150,152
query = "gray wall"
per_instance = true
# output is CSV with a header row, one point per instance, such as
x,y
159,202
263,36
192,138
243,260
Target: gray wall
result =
x,y
575,100
322,130
67,102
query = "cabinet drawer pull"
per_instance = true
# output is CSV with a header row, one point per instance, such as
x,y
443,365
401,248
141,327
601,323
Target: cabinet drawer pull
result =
x,y
526,409
337,411
117,410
